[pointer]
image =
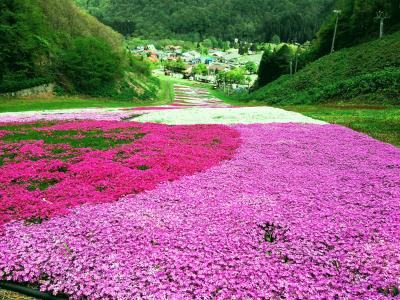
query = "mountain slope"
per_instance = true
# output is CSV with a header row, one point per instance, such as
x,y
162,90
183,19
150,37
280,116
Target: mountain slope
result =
x,y
223,19
368,72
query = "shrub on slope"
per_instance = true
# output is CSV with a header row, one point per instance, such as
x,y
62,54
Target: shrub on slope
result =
x,y
369,71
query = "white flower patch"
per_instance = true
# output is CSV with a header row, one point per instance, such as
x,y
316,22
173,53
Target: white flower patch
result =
x,y
242,115
101,114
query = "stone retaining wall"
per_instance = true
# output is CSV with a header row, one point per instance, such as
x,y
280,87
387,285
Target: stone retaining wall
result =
x,y
34,91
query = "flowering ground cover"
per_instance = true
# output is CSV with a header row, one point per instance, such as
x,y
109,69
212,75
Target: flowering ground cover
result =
x,y
48,168
233,115
99,114
300,212
172,115
272,205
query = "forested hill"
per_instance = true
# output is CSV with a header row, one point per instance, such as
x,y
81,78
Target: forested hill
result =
x,y
254,20
57,42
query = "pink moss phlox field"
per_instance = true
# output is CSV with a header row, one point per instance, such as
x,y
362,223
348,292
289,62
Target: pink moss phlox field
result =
x,y
39,179
300,212
3,133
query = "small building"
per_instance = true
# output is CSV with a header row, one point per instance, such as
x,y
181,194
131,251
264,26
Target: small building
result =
x,y
216,68
195,61
231,57
153,59
150,47
175,49
217,54
190,56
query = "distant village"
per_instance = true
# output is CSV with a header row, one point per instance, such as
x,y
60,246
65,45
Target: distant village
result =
x,y
217,67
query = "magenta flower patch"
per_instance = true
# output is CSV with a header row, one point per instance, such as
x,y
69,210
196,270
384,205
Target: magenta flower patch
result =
x,y
47,169
300,212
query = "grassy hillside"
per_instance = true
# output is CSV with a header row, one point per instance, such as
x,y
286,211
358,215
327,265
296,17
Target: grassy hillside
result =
x,y
56,41
369,72
64,16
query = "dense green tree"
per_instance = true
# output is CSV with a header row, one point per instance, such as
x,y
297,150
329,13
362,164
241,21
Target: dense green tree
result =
x,y
200,69
208,43
274,64
90,66
226,46
251,67
253,47
276,39
177,66
234,76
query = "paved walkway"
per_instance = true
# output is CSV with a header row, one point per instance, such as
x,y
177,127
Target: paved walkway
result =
x,y
186,96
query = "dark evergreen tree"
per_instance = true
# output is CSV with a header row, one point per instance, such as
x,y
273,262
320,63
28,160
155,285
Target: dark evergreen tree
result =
x,y
273,65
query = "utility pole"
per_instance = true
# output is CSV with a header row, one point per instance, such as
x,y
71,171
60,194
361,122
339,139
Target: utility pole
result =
x,y
337,13
297,57
381,16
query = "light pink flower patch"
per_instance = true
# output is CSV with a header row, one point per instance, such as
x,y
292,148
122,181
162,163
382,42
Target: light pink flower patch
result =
x,y
98,114
54,168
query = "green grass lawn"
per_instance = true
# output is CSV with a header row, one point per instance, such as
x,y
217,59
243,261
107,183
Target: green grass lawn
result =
x,y
380,122
187,82
165,96
17,105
